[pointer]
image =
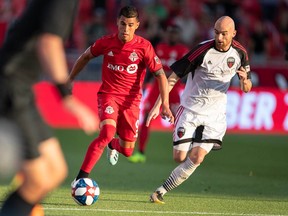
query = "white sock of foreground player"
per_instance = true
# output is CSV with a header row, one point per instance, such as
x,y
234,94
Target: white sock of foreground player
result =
x,y
178,176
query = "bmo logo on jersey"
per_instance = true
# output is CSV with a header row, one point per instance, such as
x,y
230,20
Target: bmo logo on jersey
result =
x,y
131,69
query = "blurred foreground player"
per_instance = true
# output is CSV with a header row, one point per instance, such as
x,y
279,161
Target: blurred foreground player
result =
x,y
34,43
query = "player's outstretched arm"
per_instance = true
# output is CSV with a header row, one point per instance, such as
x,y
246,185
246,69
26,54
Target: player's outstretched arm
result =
x,y
172,80
154,112
80,63
87,119
51,53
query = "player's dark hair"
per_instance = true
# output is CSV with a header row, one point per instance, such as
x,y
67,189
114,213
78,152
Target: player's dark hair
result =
x,y
129,12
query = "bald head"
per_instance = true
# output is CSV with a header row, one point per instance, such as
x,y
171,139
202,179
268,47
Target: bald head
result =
x,y
225,22
224,32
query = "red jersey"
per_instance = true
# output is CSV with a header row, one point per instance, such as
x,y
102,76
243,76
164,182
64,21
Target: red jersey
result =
x,y
124,65
170,53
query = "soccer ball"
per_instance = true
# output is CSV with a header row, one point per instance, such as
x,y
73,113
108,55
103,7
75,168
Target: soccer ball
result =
x,y
85,191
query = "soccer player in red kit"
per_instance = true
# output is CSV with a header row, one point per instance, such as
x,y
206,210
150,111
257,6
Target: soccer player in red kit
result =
x,y
126,57
168,51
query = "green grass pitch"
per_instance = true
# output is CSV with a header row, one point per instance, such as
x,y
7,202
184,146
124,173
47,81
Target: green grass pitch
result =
x,y
249,176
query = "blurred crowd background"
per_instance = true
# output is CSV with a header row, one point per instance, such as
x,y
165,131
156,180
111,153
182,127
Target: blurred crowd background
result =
x,y
262,27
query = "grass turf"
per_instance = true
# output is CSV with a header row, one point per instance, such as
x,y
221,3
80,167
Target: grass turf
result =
x,y
248,177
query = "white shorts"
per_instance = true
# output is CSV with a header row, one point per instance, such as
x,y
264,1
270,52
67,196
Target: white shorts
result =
x,y
192,128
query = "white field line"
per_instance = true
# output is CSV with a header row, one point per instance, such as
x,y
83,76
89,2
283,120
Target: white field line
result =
x,y
160,212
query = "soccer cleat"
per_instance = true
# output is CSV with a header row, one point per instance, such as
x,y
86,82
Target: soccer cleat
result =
x,y
112,156
156,197
137,158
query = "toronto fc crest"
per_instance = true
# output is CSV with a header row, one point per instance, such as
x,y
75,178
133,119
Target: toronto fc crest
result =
x,y
133,56
109,110
180,132
230,61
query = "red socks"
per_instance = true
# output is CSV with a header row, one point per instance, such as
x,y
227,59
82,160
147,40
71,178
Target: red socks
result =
x,y
97,146
127,152
143,137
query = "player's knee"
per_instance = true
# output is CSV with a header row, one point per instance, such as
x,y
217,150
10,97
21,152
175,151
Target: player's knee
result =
x,y
48,178
57,172
51,168
61,172
107,132
196,159
179,156
178,159
105,136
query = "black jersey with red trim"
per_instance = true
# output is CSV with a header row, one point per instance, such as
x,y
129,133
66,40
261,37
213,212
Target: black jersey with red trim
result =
x,y
43,16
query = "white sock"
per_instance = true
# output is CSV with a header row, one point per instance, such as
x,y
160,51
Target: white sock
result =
x,y
178,176
162,190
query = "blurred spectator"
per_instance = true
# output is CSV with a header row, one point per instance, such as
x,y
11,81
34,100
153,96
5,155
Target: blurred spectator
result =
x,y
99,4
154,15
97,27
85,12
9,10
189,26
82,24
18,6
77,40
205,23
269,9
219,8
282,21
157,7
152,29
175,7
258,43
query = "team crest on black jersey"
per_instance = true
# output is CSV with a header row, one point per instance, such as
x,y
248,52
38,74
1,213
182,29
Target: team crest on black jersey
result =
x,y
230,62
180,132
133,56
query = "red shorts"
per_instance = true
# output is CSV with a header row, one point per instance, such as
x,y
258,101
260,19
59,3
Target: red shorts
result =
x,y
126,117
153,94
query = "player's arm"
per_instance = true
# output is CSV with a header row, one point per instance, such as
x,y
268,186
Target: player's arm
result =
x,y
164,94
52,56
80,63
172,80
163,87
245,81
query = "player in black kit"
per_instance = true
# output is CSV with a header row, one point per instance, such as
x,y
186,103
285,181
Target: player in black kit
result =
x,y
34,43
